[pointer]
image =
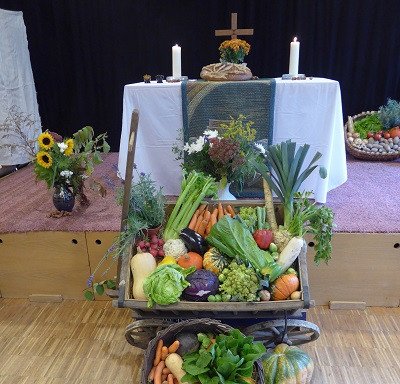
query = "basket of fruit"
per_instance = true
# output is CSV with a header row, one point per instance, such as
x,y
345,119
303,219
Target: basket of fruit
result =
x,y
202,350
374,135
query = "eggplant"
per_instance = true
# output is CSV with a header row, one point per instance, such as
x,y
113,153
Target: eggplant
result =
x,y
193,241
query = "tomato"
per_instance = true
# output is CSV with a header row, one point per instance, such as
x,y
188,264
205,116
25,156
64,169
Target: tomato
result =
x,y
377,136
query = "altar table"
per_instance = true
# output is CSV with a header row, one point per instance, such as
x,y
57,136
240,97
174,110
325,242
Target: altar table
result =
x,y
306,111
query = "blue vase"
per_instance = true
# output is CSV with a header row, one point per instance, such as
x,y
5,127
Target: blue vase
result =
x,y
63,198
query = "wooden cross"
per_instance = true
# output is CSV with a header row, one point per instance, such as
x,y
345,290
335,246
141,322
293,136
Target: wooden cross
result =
x,y
233,32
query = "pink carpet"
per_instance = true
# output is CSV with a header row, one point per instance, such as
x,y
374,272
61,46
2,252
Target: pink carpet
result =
x,y
367,202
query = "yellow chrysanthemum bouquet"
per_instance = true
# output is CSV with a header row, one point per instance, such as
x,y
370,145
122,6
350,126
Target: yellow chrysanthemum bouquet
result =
x,y
234,50
68,162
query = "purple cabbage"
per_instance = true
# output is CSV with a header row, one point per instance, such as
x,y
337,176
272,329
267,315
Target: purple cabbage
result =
x,y
203,283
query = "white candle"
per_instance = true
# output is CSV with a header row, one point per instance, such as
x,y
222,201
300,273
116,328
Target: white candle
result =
x,y
294,57
176,61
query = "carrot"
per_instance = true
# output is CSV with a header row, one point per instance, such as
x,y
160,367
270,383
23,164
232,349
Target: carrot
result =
x,y
164,353
166,371
157,358
158,372
220,211
173,347
202,227
176,380
214,217
198,222
164,378
151,374
209,226
170,379
194,219
203,207
231,210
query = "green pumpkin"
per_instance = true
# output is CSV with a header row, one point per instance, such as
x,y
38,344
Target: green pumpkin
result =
x,y
287,365
214,261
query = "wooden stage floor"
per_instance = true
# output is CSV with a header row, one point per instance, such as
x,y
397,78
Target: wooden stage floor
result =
x,y
83,342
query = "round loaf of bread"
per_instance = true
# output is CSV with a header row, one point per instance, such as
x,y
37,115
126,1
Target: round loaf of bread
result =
x,y
226,72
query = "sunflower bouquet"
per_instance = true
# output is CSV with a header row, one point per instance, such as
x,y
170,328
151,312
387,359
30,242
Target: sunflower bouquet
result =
x,y
68,162
234,50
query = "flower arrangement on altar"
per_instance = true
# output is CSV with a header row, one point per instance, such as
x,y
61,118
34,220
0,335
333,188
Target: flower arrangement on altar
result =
x,y
224,153
234,50
66,162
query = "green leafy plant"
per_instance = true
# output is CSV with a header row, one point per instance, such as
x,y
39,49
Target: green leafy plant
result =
x,y
99,288
229,360
369,123
316,220
146,210
234,50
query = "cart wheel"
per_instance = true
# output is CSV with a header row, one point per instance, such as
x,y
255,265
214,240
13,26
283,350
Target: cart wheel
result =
x,y
140,332
274,332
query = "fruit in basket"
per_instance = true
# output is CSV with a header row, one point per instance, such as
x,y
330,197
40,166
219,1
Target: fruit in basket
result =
x,y
142,265
193,241
191,259
284,286
287,364
214,261
203,283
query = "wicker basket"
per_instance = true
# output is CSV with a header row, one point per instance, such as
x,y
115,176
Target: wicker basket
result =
x,y
168,336
359,154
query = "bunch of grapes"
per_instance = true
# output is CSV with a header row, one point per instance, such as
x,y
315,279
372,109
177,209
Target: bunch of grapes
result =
x,y
240,282
154,246
226,152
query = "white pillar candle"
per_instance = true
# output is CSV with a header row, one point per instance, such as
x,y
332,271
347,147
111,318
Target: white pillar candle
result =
x,y
176,61
294,57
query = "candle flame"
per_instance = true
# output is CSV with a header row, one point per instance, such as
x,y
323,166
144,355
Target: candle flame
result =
x,y
295,39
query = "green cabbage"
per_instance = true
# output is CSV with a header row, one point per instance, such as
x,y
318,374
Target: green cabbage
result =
x,y
165,285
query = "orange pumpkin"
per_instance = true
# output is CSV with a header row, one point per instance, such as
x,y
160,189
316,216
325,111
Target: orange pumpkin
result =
x,y
191,259
284,286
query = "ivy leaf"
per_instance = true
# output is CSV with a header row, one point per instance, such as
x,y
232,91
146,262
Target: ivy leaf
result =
x,y
89,296
99,289
110,284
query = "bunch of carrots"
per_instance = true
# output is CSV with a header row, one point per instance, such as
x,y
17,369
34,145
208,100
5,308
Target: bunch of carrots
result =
x,y
203,219
160,374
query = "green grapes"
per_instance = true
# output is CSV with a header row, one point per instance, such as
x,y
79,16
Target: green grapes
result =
x,y
239,282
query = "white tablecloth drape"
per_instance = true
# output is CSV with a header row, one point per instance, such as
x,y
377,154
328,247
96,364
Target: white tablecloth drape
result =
x,y
17,88
306,111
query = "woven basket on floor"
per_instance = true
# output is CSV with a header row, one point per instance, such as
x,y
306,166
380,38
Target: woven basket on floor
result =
x,y
168,336
359,154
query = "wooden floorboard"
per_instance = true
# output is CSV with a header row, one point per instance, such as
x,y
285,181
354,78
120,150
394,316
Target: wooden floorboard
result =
x,y
81,342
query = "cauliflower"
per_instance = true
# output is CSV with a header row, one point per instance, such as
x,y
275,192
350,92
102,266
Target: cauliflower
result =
x,y
175,248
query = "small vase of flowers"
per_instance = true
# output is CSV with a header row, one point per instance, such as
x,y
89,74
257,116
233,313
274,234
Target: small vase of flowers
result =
x,y
64,164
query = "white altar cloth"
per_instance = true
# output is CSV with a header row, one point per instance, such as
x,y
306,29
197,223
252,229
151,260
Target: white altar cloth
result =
x,y
306,111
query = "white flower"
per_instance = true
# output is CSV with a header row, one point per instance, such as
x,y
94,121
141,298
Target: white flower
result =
x,y
260,147
66,174
197,146
62,147
211,133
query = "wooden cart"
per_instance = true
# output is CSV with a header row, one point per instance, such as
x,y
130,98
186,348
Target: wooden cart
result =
x,y
273,321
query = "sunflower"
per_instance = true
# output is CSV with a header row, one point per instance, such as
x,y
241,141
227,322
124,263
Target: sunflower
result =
x,y
70,147
44,159
45,140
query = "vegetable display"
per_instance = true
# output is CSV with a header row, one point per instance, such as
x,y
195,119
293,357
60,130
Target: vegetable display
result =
x,y
287,365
